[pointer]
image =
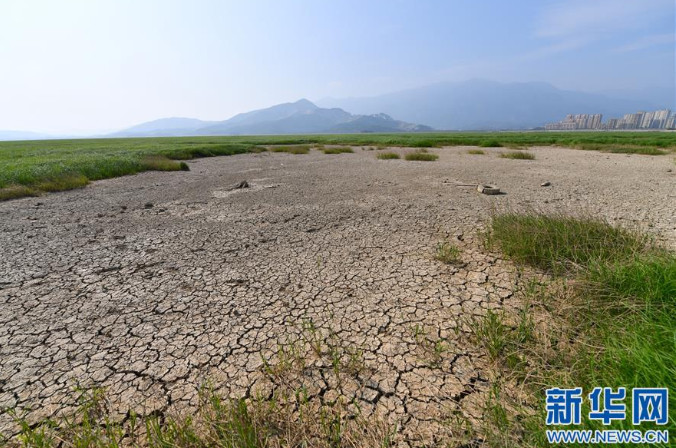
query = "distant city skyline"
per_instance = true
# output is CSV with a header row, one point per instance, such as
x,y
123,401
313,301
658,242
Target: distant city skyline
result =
x,y
91,66
657,119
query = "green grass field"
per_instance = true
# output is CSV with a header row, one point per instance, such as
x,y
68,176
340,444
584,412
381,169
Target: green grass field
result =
x,y
612,323
33,167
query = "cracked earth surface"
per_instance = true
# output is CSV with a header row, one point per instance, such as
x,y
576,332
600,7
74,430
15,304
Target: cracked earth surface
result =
x,y
150,285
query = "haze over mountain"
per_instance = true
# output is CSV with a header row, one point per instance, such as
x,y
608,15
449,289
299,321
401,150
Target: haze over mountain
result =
x,y
22,135
481,104
300,117
165,127
469,105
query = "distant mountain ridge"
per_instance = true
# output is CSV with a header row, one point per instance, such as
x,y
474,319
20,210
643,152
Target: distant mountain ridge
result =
x,y
164,127
300,117
22,135
487,105
468,105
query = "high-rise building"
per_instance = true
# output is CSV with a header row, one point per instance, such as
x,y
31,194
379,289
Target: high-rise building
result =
x,y
576,121
671,121
658,119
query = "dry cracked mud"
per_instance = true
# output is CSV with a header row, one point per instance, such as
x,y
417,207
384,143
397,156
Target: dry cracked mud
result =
x,y
150,285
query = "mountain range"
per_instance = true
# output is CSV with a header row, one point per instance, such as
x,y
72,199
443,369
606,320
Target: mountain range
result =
x,y
301,117
469,105
488,105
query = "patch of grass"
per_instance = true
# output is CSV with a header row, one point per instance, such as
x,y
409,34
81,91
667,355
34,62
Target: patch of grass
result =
x,y
431,347
281,410
387,156
16,191
518,155
193,150
559,243
623,149
490,144
651,277
611,321
57,165
447,253
503,341
66,182
163,163
476,151
421,156
295,149
285,418
28,163
258,149
424,143
338,150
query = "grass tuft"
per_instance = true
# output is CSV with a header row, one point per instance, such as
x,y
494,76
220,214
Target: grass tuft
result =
x,y
476,151
518,155
338,150
387,156
295,149
558,243
623,149
447,253
163,163
17,191
65,182
421,156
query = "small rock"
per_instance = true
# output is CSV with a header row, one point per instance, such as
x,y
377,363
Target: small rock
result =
x,y
488,189
545,184
148,205
243,184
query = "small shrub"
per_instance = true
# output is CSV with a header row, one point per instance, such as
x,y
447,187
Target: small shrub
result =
x,y
518,155
447,253
476,152
421,156
388,156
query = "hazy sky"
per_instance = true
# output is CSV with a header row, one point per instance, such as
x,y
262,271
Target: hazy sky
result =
x,y
93,65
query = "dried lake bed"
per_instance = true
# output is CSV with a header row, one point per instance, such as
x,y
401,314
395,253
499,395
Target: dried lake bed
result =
x,y
151,285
